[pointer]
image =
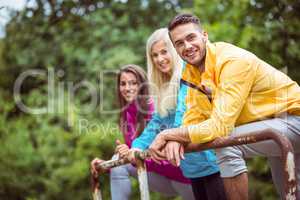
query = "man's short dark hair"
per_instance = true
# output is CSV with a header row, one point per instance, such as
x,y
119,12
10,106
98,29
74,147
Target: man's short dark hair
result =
x,y
183,19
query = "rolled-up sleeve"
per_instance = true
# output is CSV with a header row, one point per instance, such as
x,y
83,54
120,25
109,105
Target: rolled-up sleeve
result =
x,y
235,82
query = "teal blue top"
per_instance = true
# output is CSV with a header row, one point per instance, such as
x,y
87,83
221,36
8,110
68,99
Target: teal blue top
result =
x,y
197,164
194,165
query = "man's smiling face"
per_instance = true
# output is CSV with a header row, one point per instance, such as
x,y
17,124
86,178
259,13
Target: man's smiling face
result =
x,y
190,43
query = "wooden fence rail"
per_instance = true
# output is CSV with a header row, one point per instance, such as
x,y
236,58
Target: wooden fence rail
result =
x,y
284,144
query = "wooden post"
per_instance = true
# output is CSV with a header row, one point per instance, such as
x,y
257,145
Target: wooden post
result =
x,y
142,178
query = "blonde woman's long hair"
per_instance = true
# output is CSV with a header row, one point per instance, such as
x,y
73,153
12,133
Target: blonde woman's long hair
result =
x,y
163,87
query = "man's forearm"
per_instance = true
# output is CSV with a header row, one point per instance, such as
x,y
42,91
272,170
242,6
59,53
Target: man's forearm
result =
x,y
177,134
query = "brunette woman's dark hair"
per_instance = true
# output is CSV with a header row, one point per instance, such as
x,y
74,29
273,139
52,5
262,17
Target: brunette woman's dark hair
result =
x,y
142,99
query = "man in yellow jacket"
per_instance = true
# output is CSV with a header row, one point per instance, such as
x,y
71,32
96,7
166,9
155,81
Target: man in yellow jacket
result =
x,y
246,93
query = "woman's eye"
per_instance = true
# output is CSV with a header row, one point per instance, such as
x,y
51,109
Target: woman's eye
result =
x,y
154,55
164,52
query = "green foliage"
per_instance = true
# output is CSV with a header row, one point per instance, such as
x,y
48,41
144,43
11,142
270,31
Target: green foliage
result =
x,y
267,28
260,180
40,157
47,156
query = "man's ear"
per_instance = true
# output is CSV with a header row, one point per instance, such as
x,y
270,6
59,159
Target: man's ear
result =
x,y
205,35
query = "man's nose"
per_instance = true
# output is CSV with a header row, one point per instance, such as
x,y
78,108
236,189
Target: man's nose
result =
x,y
187,45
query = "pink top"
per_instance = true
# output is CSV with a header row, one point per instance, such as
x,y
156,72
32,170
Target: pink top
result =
x,y
165,168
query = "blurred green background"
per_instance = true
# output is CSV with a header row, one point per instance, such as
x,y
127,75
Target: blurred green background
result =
x,y
75,47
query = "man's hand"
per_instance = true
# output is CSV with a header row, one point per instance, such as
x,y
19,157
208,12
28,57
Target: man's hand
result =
x,y
156,150
156,147
121,149
174,152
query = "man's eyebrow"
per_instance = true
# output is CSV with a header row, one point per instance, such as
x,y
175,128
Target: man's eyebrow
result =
x,y
189,35
177,41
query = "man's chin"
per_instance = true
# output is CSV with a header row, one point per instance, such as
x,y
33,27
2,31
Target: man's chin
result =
x,y
194,62
191,62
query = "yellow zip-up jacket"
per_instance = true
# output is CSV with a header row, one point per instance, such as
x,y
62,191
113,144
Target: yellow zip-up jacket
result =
x,y
242,88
